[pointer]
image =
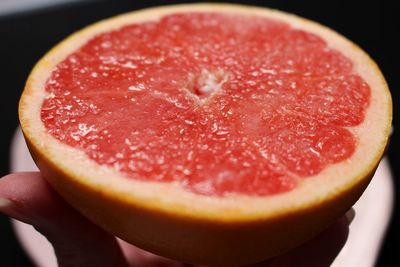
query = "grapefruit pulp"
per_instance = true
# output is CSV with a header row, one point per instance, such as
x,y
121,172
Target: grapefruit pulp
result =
x,y
206,132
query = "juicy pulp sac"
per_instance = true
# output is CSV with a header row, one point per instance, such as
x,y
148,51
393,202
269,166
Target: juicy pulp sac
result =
x,y
217,103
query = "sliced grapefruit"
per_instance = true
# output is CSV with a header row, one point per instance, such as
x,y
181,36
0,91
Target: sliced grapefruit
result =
x,y
208,133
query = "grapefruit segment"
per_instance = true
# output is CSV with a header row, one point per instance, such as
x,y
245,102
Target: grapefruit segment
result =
x,y
203,135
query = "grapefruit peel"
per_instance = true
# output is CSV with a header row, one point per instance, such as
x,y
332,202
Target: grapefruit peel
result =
x,y
166,219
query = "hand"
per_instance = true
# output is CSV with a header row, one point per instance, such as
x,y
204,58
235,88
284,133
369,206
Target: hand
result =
x,y
79,243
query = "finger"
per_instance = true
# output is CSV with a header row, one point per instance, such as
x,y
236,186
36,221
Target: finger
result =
x,y
321,251
77,242
142,258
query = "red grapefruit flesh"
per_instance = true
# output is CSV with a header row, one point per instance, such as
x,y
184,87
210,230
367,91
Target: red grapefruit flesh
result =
x,y
202,134
217,103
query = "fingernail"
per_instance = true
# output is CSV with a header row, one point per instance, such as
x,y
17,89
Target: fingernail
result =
x,y
350,214
4,203
12,209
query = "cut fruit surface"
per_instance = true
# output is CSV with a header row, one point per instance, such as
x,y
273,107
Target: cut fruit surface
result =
x,y
216,102
198,131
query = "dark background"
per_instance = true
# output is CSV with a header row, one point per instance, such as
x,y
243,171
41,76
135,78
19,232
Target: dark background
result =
x,y
25,37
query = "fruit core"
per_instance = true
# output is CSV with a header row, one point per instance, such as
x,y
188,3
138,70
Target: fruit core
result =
x,y
216,103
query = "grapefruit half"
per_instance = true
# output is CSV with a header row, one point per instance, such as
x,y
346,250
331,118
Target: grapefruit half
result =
x,y
209,133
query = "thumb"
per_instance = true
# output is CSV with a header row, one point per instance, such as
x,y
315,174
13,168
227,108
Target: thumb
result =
x,y
76,241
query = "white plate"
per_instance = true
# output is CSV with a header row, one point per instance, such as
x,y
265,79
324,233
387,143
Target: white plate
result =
x,y
367,230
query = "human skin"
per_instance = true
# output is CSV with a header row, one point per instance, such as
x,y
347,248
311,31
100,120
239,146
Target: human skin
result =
x,y
78,242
